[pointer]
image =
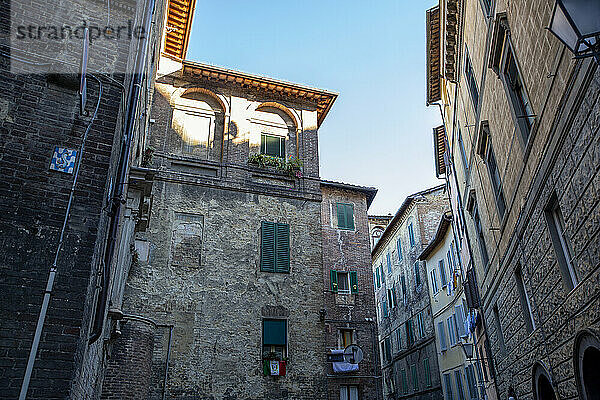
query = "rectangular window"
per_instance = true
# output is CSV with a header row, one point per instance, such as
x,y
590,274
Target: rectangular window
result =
x,y
272,145
388,349
417,274
348,392
517,94
399,249
404,381
345,216
411,235
498,327
391,297
389,263
486,151
442,336
427,372
399,338
451,330
420,325
442,270
384,308
410,335
346,337
343,282
471,81
524,300
479,228
459,315
463,153
459,385
434,284
403,282
448,387
275,247
562,248
274,338
415,377
378,278
471,383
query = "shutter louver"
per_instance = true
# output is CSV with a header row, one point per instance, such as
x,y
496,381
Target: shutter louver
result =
x,y
353,282
341,216
349,216
267,254
282,248
334,284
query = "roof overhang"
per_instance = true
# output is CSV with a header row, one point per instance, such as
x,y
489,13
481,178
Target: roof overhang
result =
x,y
321,98
178,26
434,92
369,192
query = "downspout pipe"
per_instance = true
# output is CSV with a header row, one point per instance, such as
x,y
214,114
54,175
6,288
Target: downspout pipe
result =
x,y
122,170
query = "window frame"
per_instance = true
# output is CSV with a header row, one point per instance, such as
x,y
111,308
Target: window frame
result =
x,y
286,327
560,244
278,252
399,249
263,143
471,80
348,388
442,269
486,151
434,286
442,336
411,235
524,299
449,395
346,226
342,338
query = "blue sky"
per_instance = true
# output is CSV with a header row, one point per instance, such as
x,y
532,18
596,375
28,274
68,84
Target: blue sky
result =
x,y
378,132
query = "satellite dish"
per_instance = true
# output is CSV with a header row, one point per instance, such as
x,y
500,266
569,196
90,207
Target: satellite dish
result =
x,y
353,354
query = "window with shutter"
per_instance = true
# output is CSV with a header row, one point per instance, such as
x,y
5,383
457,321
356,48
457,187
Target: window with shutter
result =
x,y
399,248
275,247
448,387
417,274
415,377
451,330
427,372
459,385
275,338
404,381
353,282
434,285
460,320
442,269
442,336
333,279
411,235
345,216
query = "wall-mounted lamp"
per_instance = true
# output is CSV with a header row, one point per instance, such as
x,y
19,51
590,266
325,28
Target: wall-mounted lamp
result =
x,y
576,23
467,349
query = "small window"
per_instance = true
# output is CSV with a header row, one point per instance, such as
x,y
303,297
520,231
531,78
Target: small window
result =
x,y
415,377
411,235
384,308
345,216
523,111
481,240
344,282
403,283
433,279
471,382
391,295
442,269
417,274
378,278
348,392
420,325
275,338
499,332
451,330
346,337
427,372
410,335
271,145
399,249
492,167
275,247
404,381
459,384
448,387
442,336
389,263
524,300
399,338
471,81
459,315
562,248
463,153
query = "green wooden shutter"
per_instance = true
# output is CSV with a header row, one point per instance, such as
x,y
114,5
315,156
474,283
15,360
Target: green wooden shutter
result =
x,y
349,216
334,284
341,216
353,282
267,254
282,248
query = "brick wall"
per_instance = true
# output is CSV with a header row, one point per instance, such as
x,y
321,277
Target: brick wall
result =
x,y
349,250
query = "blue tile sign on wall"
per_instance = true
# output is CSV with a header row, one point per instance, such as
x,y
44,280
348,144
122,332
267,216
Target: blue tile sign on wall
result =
x,y
63,160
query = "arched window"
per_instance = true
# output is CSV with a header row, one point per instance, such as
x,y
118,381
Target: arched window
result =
x,y
198,119
586,361
376,235
542,384
275,127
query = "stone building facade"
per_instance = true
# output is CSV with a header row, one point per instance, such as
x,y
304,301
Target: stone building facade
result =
x,y
461,377
349,303
405,321
519,146
61,213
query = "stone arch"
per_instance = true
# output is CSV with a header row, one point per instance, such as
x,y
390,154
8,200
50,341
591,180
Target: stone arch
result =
x,y
190,92
278,106
586,359
543,388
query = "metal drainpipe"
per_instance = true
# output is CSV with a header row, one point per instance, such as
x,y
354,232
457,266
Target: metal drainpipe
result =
x,y
122,170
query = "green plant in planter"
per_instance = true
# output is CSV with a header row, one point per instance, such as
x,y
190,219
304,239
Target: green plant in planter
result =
x,y
147,156
292,166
